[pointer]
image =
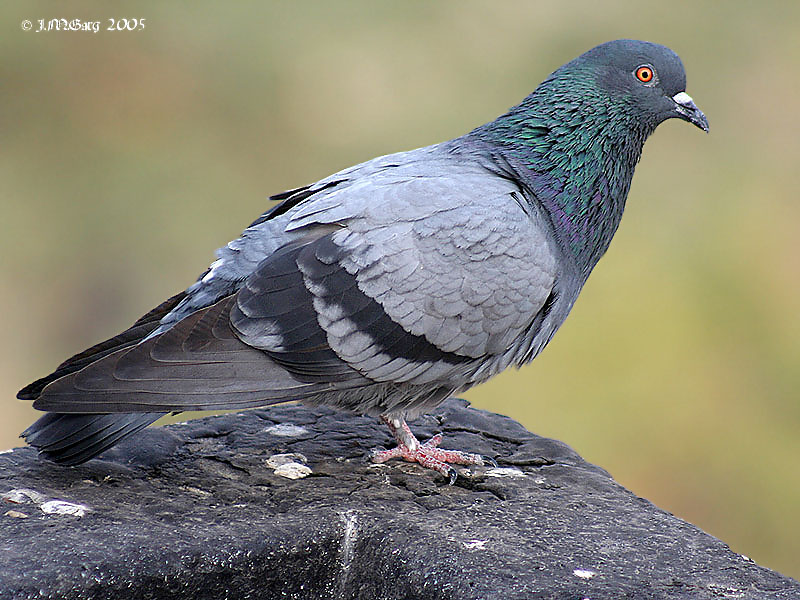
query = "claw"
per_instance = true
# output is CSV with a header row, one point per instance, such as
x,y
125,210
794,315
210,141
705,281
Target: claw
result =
x,y
489,460
453,476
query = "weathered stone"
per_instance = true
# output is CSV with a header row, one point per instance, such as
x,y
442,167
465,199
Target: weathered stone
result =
x,y
197,511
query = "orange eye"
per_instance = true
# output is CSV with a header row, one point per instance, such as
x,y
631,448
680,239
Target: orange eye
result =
x,y
644,74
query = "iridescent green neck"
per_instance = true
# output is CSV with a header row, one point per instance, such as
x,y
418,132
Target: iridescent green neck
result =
x,y
580,151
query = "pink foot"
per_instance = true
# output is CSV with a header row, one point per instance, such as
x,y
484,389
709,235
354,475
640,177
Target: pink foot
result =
x,y
428,455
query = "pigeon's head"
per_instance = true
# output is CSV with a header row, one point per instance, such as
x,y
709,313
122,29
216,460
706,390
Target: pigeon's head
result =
x,y
644,79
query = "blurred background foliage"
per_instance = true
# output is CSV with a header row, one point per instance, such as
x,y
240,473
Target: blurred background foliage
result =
x,y
127,157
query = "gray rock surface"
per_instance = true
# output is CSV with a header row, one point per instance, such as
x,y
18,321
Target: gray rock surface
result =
x,y
199,510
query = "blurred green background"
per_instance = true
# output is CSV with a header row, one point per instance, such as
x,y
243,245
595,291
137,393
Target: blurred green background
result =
x,y
126,158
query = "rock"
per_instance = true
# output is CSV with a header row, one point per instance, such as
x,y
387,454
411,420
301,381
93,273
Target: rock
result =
x,y
198,510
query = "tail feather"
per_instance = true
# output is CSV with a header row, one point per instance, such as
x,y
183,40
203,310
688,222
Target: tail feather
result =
x,y
71,439
128,338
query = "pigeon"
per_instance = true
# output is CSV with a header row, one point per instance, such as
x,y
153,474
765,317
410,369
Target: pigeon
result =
x,y
393,284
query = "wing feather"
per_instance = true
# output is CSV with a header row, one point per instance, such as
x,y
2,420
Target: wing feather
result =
x,y
175,372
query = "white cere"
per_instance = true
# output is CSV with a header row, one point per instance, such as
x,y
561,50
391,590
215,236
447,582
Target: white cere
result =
x,y
683,98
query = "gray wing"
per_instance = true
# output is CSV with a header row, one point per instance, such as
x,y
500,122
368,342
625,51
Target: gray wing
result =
x,y
402,273
197,364
455,261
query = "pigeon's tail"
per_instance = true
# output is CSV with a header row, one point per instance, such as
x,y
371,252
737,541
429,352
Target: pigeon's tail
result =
x,y
71,439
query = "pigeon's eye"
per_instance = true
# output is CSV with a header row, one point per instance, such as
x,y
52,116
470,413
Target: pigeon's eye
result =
x,y
645,73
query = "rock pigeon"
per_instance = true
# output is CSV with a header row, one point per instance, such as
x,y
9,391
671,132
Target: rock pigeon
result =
x,y
391,285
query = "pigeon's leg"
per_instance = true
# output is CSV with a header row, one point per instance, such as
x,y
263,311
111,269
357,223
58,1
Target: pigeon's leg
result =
x,y
429,455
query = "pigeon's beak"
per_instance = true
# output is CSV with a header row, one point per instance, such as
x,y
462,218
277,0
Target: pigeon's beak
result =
x,y
688,111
